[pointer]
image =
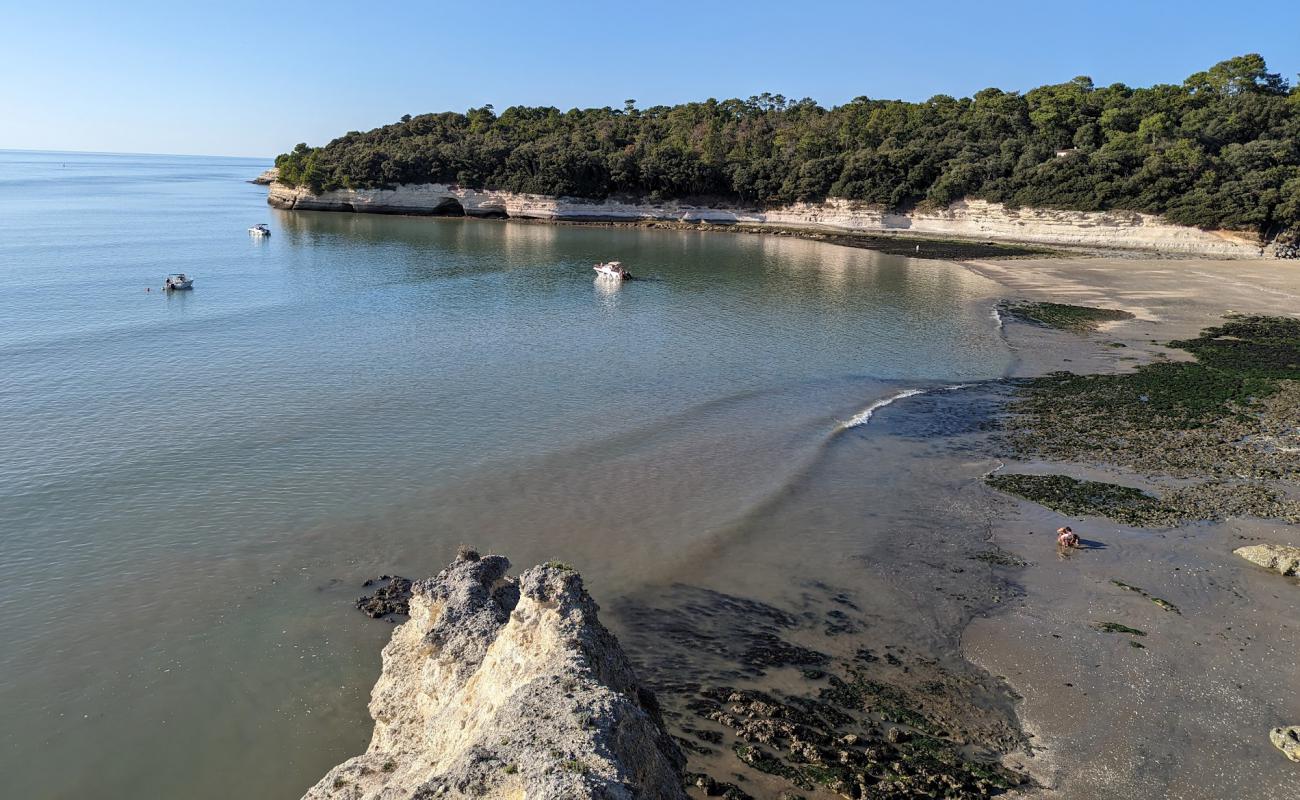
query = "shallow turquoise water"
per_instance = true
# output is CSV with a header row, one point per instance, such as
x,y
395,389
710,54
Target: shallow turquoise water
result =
x,y
192,486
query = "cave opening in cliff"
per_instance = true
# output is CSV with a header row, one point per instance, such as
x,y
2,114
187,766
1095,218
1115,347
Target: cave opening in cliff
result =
x,y
450,207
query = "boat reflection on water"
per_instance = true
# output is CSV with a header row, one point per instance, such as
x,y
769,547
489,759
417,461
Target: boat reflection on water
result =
x,y
607,292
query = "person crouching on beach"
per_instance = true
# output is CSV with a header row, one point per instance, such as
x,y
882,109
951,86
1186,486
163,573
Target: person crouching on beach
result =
x,y
1066,537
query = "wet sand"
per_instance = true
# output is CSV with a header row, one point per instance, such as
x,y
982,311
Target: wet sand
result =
x,y
765,611
1187,714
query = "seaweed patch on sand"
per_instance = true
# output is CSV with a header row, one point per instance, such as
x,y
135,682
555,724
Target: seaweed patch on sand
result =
x,y
1085,498
1079,319
998,557
803,742
1210,501
751,697
1229,416
1241,366
1165,604
1117,627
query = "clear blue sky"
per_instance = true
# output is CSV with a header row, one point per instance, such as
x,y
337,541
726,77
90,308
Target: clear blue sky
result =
x,y
236,78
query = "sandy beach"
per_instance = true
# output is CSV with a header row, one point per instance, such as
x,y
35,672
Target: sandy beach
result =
x,y
1187,714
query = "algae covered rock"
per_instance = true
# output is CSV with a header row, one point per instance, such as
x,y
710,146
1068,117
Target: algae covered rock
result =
x,y
391,596
504,687
1287,740
1280,558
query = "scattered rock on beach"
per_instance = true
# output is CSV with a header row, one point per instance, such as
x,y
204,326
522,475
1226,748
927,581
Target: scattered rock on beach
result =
x,y
1287,740
801,740
392,597
828,734
1280,558
710,787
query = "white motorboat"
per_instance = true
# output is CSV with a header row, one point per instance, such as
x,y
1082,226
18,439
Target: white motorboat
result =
x,y
178,281
260,229
613,270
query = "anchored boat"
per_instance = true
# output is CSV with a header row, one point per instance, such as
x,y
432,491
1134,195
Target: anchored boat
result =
x,y
260,229
177,282
613,270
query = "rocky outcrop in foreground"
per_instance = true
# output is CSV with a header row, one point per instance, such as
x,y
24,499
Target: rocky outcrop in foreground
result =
x,y
1280,558
503,687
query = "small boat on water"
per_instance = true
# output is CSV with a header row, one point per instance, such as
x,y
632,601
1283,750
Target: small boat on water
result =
x,y
178,282
260,229
613,270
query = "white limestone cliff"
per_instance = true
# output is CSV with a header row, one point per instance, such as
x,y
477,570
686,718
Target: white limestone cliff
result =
x,y
967,219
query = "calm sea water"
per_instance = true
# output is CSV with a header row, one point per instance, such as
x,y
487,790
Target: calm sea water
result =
x,y
193,486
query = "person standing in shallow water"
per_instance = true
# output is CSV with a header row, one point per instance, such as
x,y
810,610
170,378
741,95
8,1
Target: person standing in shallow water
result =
x,y
1066,537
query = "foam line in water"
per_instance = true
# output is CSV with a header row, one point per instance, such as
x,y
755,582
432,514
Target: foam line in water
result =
x,y
864,416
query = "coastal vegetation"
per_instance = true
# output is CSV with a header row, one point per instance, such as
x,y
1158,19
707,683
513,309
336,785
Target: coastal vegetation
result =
x,y
1219,150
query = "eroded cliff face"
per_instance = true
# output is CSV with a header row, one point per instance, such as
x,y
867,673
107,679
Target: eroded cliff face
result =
x,y
499,687
970,219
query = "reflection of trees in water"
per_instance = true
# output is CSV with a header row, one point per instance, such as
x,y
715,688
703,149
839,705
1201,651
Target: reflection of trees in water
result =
x,y
846,269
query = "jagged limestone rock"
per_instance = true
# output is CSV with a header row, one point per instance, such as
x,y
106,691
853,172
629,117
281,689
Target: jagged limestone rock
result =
x,y
1280,558
499,687
267,177
1287,740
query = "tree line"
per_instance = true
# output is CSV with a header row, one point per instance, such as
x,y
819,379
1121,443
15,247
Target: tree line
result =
x,y
1221,150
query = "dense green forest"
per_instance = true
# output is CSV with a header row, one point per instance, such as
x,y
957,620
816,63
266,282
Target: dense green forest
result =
x,y
1222,150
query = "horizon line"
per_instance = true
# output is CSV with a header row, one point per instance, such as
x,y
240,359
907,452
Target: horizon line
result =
x,y
131,153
